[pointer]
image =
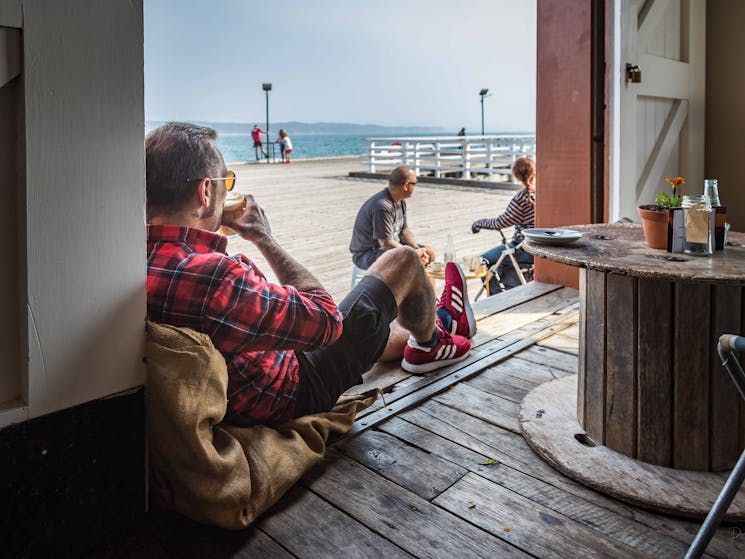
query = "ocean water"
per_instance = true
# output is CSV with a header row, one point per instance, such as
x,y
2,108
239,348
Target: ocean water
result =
x,y
239,147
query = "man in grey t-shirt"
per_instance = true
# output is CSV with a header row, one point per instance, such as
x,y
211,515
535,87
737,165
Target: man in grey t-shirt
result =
x,y
381,222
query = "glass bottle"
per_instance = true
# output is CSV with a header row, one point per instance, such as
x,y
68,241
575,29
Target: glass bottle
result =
x,y
699,238
711,189
449,254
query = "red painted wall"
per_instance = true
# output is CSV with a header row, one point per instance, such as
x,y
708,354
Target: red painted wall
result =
x,y
563,123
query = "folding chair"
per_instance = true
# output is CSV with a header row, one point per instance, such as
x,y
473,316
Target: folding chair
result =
x,y
523,274
728,344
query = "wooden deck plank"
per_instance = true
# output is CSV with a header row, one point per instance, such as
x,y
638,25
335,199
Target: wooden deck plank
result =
x,y
594,516
483,405
486,439
499,444
421,473
528,371
309,527
556,360
410,522
527,525
501,384
572,332
513,451
495,326
562,342
511,298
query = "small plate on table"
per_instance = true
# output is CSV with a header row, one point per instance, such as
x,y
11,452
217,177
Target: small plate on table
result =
x,y
556,237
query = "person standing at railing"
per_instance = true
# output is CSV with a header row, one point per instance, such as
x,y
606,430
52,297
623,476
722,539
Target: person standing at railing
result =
x,y
520,212
281,145
285,145
256,132
381,222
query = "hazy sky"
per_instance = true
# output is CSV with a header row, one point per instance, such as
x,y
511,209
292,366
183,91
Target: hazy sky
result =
x,y
389,62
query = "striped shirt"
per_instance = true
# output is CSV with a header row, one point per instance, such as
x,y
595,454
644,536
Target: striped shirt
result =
x,y
520,212
256,325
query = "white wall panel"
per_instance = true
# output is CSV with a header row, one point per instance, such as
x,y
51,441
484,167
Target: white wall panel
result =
x,y
85,199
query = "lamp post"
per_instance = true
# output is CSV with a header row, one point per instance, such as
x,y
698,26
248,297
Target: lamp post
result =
x,y
267,87
483,93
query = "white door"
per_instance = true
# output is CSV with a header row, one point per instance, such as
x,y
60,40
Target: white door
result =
x,y
657,124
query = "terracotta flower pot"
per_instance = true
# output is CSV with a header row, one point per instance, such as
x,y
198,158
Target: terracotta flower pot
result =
x,y
654,223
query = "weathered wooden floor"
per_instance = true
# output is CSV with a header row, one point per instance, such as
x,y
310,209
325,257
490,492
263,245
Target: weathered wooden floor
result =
x,y
442,470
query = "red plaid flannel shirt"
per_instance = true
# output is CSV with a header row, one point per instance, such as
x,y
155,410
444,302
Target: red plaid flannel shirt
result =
x,y
256,325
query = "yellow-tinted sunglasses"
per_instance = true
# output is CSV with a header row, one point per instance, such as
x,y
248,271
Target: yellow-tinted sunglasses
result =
x,y
229,179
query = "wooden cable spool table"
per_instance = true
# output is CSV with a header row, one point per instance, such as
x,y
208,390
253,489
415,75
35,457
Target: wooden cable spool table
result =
x,y
652,416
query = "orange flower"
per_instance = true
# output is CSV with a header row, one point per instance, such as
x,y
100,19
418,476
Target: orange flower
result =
x,y
676,182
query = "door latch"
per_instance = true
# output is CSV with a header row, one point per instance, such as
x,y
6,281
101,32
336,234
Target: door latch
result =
x,y
633,73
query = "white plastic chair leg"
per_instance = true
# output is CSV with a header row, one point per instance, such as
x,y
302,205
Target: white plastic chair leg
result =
x,y
357,274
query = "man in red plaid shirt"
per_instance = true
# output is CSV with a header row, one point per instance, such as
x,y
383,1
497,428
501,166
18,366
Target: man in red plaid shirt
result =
x,y
289,350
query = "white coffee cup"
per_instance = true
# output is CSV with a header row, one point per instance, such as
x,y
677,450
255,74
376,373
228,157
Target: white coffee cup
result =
x,y
435,267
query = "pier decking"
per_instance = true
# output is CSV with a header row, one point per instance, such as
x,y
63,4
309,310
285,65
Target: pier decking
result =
x,y
439,469
311,207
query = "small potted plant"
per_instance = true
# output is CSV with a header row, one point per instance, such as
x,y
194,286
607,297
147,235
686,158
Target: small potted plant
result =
x,y
655,216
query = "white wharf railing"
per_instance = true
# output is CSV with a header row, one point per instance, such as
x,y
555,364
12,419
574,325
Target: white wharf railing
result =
x,y
440,155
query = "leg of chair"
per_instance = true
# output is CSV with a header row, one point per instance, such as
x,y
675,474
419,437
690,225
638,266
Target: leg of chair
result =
x,y
355,271
485,286
717,512
516,266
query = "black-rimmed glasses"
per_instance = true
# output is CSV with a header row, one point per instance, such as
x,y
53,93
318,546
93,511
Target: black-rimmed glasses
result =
x,y
229,179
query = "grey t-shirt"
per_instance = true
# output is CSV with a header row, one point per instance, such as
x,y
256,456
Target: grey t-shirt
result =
x,y
380,218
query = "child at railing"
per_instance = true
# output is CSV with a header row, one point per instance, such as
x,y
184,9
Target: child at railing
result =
x,y
285,145
520,212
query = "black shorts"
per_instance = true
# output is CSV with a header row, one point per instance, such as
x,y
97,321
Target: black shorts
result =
x,y
327,372
257,143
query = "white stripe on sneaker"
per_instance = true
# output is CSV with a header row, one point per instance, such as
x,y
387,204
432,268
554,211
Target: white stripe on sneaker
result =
x,y
457,306
456,290
439,353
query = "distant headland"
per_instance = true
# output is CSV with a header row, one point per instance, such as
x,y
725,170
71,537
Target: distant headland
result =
x,y
313,128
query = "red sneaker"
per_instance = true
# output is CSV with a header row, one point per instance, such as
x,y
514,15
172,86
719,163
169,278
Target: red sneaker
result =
x,y
449,349
454,299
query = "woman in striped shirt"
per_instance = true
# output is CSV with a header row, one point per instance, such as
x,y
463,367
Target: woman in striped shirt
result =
x,y
520,212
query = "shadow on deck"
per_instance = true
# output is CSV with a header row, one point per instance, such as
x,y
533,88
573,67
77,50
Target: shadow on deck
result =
x,y
440,469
